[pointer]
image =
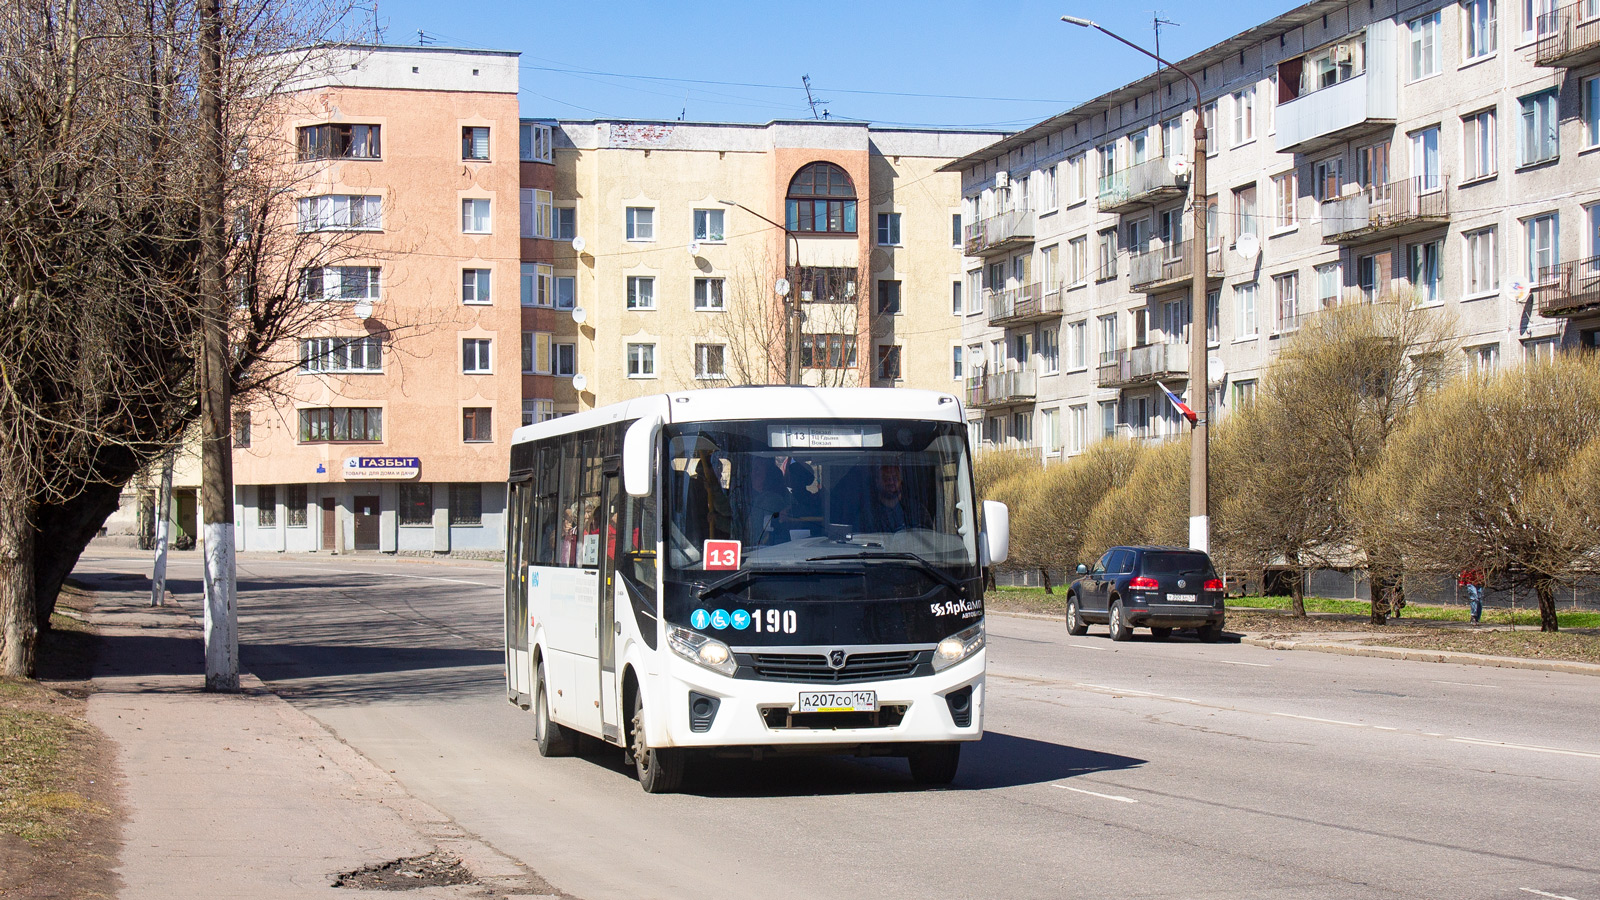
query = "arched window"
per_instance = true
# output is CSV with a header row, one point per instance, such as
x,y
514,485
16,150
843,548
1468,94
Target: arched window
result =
x,y
822,198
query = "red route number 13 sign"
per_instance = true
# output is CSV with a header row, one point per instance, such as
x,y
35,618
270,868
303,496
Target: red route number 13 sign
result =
x,y
722,555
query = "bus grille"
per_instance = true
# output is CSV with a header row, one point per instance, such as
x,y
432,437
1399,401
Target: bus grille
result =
x,y
813,667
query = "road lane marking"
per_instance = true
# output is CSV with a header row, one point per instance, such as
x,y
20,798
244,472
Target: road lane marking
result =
x,y
1234,662
1094,794
1552,896
1492,687
1324,721
423,578
1532,747
1088,647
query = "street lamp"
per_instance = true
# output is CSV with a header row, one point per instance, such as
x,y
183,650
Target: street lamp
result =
x,y
1199,376
786,290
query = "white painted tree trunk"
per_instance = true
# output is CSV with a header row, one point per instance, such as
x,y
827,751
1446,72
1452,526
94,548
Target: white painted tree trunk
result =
x,y
158,573
221,618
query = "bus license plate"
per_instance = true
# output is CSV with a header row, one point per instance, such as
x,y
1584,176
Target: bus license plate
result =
x,y
1181,598
837,701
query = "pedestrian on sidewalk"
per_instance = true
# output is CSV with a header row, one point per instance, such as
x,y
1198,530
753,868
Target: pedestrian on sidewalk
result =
x,y
1472,580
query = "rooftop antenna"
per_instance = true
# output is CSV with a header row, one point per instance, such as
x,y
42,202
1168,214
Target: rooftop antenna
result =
x,y
422,38
1156,22
685,113
810,100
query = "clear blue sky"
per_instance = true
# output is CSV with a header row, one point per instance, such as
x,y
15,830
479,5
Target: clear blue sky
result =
x,y
867,59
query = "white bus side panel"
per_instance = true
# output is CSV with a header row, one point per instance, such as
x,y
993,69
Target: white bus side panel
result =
x,y
563,604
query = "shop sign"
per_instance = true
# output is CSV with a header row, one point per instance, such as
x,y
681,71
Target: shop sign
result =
x,y
385,468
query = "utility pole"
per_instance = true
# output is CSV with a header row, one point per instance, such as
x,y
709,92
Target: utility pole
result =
x,y
1199,376
216,439
792,314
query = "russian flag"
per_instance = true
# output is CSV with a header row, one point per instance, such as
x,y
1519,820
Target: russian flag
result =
x,y
1181,406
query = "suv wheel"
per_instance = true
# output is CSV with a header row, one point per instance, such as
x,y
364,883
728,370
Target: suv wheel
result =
x,y
1076,626
1120,630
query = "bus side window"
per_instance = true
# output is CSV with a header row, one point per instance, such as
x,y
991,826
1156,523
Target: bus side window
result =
x,y
546,505
638,536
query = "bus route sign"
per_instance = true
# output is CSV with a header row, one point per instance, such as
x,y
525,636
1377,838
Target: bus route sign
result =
x,y
369,468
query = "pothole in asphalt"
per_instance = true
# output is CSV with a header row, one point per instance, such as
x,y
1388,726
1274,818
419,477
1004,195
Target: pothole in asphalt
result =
x,y
435,869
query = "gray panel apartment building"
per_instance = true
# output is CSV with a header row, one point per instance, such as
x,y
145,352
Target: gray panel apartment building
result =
x,y
1448,152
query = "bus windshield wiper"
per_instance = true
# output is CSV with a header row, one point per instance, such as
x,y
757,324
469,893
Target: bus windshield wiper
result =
x,y
740,577
915,560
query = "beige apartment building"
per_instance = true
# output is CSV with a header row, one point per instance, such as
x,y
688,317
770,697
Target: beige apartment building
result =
x,y
1448,152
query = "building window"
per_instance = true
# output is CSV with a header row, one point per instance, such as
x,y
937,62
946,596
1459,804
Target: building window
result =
x,y
474,142
1244,116
1540,351
1244,211
708,295
955,298
1538,18
294,506
888,362
641,223
566,287
1425,160
1108,254
565,225
1372,165
708,225
1591,241
1175,317
475,216
1050,350
641,360
466,504
1077,339
1108,418
1049,191
345,283
1483,267
566,359
534,411
341,212
1077,172
536,209
536,353
1367,277
1480,27
641,292
1213,317
267,505
1245,324
1049,431
476,424
709,361
416,504
534,142
537,284
1544,251
1483,359
957,366
1425,270
1244,393
1208,115
1077,427
1108,338
828,351
477,356
475,285
888,297
341,355
1477,145
339,142
1286,200
1590,110
1329,282
955,230
1424,46
821,198
241,429
888,229
343,423
1539,137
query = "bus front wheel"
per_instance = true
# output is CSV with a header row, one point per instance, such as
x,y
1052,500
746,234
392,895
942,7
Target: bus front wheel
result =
x,y
934,763
553,740
660,770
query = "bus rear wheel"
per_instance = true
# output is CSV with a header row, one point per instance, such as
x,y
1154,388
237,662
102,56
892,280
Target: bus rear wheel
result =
x,y
553,740
660,770
934,764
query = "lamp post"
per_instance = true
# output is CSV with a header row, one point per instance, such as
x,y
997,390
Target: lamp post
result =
x,y
791,308
1199,376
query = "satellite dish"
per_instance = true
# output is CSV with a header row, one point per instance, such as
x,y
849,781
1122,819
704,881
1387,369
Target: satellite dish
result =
x,y
579,382
1521,291
363,310
1247,246
782,287
1179,166
579,314
578,243
694,248
1215,369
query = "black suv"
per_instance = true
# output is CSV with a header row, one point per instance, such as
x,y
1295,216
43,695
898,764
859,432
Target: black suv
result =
x,y
1161,588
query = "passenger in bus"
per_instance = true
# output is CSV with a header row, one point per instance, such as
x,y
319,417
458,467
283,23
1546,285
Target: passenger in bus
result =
x,y
767,502
568,551
805,512
889,507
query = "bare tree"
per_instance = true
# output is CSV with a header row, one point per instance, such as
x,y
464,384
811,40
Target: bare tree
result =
x,y
1150,507
824,306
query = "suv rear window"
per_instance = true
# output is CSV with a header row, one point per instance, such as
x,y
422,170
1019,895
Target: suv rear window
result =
x,y
1176,562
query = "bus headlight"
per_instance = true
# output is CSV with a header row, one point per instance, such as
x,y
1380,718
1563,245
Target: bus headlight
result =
x,y
958,646
702,650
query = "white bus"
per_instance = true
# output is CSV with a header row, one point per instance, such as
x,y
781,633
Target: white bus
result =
x,y
751,571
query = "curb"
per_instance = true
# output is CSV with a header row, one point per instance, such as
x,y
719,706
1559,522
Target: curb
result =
x,y
1437,656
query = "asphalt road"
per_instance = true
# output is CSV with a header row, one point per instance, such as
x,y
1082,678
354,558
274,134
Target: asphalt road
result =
x,y
1143,769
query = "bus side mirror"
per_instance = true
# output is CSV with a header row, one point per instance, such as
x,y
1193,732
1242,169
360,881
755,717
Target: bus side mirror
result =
x,y
995,542
638,455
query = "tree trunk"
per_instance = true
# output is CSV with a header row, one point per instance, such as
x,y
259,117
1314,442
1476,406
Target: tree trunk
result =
x,y
18,630
1044,577
1547,605
1297,594
1380,587
71,525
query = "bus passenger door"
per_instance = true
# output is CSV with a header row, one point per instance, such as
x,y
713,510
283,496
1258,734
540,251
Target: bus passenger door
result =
x,y
611,505
517,591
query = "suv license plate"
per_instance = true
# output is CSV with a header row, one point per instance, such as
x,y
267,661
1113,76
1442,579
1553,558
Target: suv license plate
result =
x,y
837,701
1181,598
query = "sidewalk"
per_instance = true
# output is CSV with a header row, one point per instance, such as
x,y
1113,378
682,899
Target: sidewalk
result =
x,y
244,796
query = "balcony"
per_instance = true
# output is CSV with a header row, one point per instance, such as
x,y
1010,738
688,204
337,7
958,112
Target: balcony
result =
x,y
1002,389
1571,289
1148,182
1143,365
1021,305
1390,210
998,234
1570,36
1357,107
1169,267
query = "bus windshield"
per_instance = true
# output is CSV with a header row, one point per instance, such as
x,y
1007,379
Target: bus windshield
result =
x,y
797,493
